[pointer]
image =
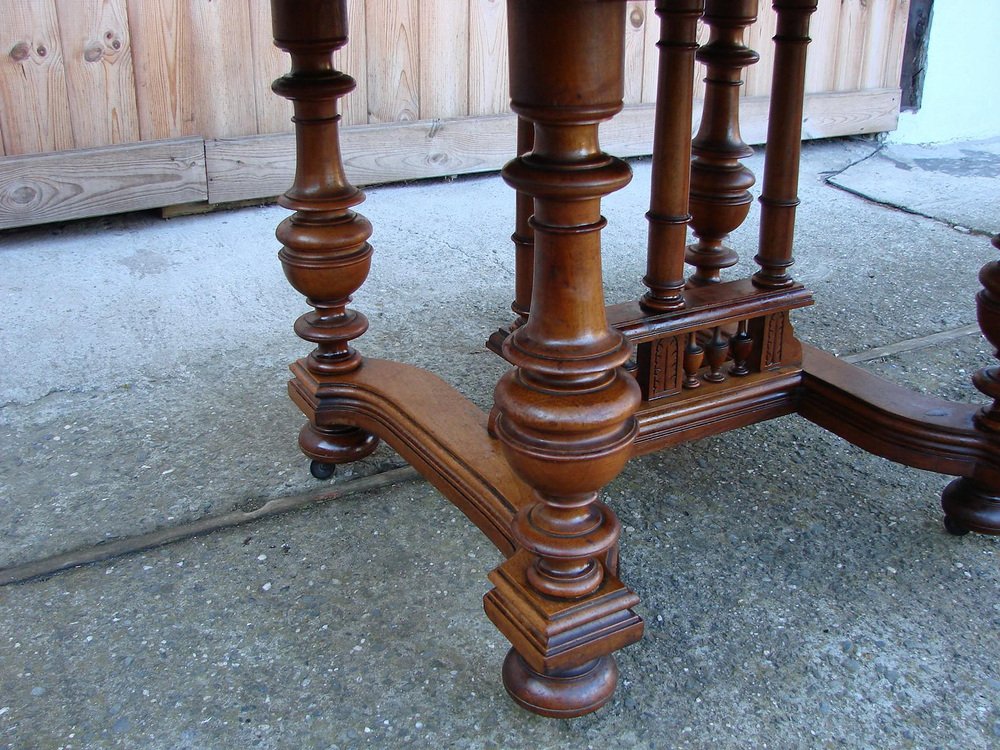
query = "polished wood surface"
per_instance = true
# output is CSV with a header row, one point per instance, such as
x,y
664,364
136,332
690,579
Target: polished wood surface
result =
x,y
711,353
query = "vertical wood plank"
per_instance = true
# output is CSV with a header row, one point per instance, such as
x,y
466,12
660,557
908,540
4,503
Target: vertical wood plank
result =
x,y
636,22
821,59
444,58
273,113
877,31
393,31
98,59
35,114
900,14
850,45
353,60
191,68
650,55
757,78
489,90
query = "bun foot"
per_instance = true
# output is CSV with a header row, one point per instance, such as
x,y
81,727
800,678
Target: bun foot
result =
x,y
564,694
335,445
970,506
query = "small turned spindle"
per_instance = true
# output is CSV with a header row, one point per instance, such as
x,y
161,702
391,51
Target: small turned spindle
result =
x,y
668,214
779,192
564,416
716,352
325,252
694,356
741,345
720,198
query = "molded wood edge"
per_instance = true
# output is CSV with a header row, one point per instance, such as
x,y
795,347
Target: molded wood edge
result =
x,y
436,429
892,421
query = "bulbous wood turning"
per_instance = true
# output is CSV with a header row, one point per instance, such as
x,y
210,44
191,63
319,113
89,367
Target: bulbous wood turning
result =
x,y
987,380
325,252
973,503
779,196
564,415
720,198
668,214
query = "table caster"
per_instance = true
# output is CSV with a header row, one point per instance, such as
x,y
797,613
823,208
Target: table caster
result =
x,y
321,470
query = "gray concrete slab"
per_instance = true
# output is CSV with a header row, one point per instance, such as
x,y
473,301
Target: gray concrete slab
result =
x,y
143,387
922,179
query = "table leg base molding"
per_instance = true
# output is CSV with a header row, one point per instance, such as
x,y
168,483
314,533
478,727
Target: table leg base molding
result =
x,y
560,664
970,506
560,695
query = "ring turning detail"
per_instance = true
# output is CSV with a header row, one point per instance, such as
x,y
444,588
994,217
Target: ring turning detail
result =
x,y
590,384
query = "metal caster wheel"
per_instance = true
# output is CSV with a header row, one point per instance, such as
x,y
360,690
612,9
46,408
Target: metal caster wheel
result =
x,y
321,470
954,527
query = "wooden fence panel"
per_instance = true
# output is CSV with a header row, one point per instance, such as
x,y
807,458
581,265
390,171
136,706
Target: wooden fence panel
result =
x,y
187,83
444,56
272,113
203,68
353,60
393,34
34,104
98,59
635,50
489,82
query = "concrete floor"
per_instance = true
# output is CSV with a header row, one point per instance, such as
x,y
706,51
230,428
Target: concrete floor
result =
x,y
797,592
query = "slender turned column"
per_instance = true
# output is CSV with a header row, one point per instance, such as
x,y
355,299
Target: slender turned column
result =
x,y
671,175
564,415
779,195
720,199
973,503
325,253
524,235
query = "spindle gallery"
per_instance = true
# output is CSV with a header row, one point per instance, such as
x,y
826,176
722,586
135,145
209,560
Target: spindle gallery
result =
x,y
710,353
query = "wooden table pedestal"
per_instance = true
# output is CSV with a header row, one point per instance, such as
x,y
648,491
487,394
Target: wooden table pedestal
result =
x,y
709,354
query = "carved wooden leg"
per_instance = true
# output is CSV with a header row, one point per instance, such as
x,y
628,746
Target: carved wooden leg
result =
x,y
564,415
720,199
779,195
671,175
524,235
973,503
325,251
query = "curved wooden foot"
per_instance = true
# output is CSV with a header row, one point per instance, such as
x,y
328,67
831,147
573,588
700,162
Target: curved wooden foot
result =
x,y
336,445
970,506
564,694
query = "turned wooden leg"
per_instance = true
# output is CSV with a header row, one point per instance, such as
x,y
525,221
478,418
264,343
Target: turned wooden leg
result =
x,y
325,252
973,503
564,415
779,195
671,169
524,235
720,198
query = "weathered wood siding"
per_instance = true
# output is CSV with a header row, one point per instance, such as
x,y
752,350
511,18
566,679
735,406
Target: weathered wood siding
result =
x,y
82,74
